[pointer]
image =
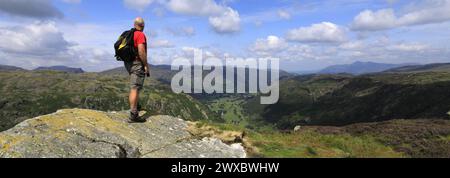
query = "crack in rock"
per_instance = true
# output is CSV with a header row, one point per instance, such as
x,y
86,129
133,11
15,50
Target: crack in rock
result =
x,y
167,145
125,150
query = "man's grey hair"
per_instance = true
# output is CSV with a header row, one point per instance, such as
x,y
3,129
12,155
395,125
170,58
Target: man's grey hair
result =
x,y
139,21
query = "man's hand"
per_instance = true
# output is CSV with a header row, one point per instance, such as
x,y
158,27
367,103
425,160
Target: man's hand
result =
x,y
147,70
143,57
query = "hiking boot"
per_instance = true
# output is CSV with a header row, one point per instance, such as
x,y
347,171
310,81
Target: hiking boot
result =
x,y
134,118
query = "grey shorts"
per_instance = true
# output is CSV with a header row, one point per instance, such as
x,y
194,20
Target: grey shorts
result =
x,y
137,74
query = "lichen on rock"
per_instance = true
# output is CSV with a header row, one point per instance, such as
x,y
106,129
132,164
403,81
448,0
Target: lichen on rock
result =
x,y
79,133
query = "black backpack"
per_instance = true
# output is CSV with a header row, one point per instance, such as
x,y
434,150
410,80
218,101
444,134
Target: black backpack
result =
x,y
124,46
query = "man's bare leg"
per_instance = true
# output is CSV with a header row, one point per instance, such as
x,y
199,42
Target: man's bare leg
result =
x,y
134,98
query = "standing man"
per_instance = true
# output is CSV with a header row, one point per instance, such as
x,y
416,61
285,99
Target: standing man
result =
x,y
138,69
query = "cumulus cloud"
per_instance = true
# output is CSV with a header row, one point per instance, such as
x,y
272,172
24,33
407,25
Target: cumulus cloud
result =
x,y
408,47
381,49
161,44
228,22
39,38
324,32
48,43
384,49
72,1
181,31
30,8
268,46
223,19
430,11
371,21
274,46
207,52
284,14
139,5
195,7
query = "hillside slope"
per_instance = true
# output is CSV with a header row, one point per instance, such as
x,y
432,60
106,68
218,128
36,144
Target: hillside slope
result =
x,y
164,74
61,69
10,68
339,100
77,133
161,73
439,67
358,68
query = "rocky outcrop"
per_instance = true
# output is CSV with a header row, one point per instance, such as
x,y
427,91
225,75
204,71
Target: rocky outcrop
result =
x,y
78,133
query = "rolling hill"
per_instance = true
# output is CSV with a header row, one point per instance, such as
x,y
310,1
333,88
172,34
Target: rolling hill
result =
x,y
438,67
337,100
161,73
61,69
10,68
359,68
164,74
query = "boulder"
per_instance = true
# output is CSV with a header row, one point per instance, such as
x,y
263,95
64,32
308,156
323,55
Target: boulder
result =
x,y
79,133
297,128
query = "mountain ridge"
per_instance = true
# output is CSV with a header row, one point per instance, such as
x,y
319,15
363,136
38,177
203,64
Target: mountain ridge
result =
x,y
358,68
435,67
61,69
10,68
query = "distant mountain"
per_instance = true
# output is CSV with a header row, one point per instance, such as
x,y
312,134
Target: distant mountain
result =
x,y
306,72
61,69
438,67
358,68
122,71
163,73
10,68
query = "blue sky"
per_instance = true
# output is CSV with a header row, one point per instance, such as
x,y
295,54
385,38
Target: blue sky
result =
x,y
304,34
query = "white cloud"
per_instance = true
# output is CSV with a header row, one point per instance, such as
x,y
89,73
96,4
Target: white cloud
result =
x,y
277,47
352,45
411,47
223,19
228,22
72,1
324,32
139,5
181,31
51,43
427,12
381,49
384,49
39,38
371,21
207,52
268,46
284,14
160,44
195,7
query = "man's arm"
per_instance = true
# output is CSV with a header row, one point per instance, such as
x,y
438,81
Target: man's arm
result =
x,y
143,57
